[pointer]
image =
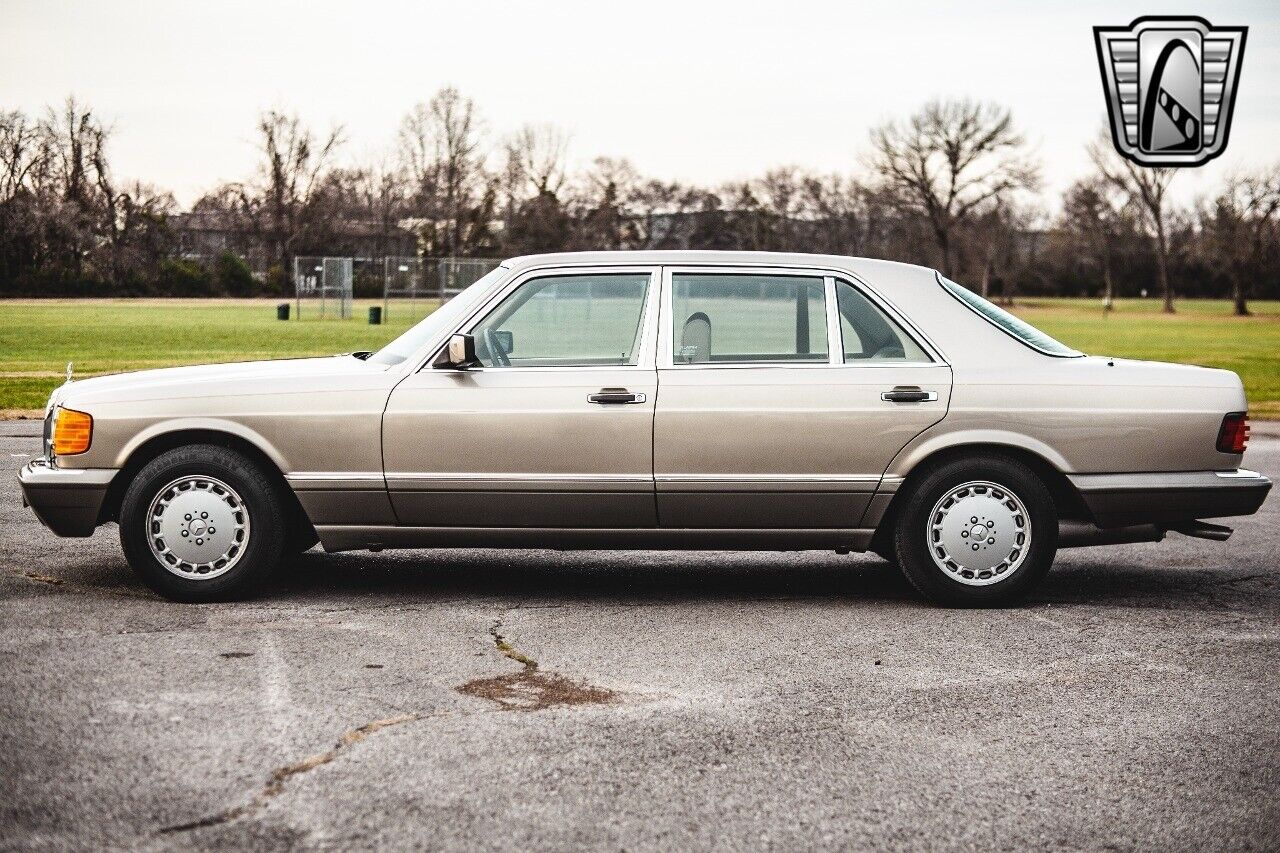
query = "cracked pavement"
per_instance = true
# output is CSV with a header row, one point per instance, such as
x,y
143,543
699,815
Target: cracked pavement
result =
x,y
735,700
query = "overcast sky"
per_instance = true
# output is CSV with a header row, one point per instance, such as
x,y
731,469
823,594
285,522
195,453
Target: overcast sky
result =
x,y
699,91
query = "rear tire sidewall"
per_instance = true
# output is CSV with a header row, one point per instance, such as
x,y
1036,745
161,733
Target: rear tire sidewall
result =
x,y
261,500
911,534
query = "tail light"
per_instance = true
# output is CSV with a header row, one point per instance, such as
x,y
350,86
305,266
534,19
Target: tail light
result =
x,y
1234,434
72,432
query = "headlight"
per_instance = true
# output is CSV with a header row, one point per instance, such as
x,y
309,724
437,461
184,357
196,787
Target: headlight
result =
x,y
72,431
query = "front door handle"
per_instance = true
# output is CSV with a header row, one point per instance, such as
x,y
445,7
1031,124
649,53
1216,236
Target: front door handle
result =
x,y
909,394
615,397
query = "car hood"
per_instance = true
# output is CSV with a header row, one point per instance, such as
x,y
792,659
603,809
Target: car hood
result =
x,y
245,377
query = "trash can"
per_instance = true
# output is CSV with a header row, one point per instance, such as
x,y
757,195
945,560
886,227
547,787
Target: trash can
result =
x,y
375,315
282,311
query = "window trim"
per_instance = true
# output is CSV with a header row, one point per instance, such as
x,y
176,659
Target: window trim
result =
x,y
930,358
942,282
647,326
835,353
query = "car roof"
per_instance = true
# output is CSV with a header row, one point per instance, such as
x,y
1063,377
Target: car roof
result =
x,y
890,273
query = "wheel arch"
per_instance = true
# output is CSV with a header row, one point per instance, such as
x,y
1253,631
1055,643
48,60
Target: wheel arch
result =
x,y
1066,497
147,447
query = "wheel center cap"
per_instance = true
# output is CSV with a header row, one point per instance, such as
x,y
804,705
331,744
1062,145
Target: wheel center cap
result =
x,y
978,531
197,527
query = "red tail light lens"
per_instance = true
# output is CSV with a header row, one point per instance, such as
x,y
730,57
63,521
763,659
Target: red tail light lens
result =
x,y
1234,434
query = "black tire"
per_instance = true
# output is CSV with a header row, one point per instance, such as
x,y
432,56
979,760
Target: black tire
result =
x,y
912,535
260,498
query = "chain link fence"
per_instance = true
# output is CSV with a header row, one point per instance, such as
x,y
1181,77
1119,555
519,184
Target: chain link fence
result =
x,y
325,284
414,280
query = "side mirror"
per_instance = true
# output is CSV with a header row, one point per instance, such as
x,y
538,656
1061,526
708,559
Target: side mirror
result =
x,y
459,354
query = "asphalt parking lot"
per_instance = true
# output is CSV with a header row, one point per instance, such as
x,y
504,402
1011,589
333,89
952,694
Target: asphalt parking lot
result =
x,y
640,700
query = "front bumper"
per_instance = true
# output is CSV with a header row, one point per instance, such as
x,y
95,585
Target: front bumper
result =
x,y
1169,498
66,500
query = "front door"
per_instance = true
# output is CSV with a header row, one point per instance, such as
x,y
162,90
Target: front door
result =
x,y
772,410
555,429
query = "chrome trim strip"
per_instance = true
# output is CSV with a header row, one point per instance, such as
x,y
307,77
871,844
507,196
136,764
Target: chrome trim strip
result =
x,y
519,477
666,332
338,481
334,475
942,282
39,473
770,478
1164,481
644,355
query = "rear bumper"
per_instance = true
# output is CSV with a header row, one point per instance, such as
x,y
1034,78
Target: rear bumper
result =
x,y
1168,498
66,500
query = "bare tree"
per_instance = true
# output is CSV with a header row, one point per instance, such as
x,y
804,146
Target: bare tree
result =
x,y
1095,215
1240,230
19,152
538,154
947,161
602,203
441,146
293,162
1148,189
659,209
837,215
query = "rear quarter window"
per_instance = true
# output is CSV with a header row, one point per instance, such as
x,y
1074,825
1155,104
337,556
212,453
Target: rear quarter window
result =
x,y
1007,323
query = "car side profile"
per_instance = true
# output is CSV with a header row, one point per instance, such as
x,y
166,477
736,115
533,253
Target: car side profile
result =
x,y
671,400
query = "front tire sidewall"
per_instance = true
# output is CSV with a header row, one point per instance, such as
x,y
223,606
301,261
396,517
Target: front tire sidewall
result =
x,y
911,535
261,502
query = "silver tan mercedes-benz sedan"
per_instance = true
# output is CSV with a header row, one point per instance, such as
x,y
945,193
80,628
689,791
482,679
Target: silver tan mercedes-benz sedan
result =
x,y
659,400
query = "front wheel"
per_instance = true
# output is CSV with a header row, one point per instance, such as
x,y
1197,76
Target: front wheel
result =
x,y
202,523
976,532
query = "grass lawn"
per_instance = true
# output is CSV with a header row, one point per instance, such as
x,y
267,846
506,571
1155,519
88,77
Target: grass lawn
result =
x,y
38,337
1201,332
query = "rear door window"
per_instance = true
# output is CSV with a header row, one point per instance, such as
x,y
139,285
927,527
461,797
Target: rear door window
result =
x,y
870,335
728,318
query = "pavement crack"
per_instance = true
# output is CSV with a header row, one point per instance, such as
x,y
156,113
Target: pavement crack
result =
x,y
529,689
276,781
508,650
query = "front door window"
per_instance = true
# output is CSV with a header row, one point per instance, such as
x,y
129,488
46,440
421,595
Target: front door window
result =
x,y
566,321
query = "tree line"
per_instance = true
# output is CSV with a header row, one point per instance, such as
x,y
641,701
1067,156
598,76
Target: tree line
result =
x,y
954,186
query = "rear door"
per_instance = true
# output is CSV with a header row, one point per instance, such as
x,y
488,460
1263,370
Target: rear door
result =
x,y
784,394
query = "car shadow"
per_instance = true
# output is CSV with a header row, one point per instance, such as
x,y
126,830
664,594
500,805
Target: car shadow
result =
x,y
595,576
1136,581
643,577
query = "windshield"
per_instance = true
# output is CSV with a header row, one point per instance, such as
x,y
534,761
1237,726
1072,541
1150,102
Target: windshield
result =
x,y
437,321
1007,323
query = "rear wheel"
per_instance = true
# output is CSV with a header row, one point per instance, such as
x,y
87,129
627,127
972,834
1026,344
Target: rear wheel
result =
x,y
202,523
976,532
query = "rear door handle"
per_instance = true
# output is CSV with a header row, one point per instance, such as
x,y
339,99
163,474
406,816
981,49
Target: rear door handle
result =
x,y
909,394
615,397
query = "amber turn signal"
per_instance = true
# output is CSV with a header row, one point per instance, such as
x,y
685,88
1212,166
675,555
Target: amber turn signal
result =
x,y
72,432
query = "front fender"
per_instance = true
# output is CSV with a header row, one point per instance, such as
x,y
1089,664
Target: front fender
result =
x,y
204,424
